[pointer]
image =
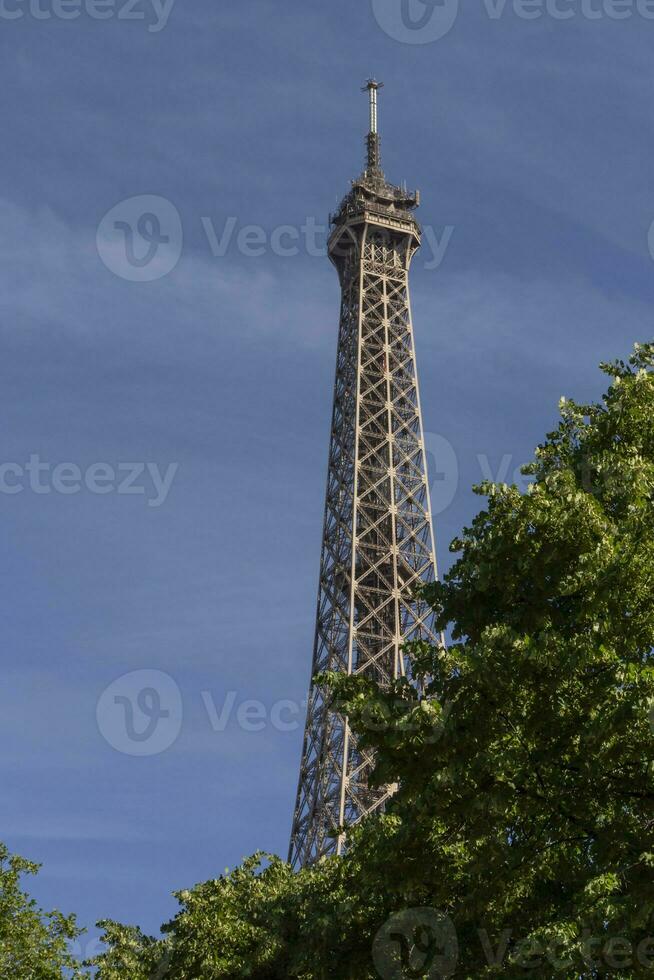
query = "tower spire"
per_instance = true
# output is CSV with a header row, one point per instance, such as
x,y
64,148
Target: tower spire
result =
x,y
372,86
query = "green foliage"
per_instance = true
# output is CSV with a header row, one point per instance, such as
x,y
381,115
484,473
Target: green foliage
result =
x,y
260,921
525,810
33,945
533,810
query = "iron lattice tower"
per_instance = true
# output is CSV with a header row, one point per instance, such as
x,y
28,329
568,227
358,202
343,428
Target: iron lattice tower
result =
x,y
378,541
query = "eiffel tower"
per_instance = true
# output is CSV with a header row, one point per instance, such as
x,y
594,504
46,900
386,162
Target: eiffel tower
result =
x,y
378,541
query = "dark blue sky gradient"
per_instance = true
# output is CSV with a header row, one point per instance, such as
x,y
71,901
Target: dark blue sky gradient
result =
x,y
533,139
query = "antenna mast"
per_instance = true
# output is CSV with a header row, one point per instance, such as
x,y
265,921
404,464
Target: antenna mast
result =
x,y
372,86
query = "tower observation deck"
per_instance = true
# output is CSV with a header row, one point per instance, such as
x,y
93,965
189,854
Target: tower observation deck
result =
x,y
378,541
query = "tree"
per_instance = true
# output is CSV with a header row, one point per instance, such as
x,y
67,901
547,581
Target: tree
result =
x,y
33,944
521,839
261,921
526,809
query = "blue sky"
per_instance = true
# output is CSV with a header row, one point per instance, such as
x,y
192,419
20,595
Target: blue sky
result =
x,y
530,139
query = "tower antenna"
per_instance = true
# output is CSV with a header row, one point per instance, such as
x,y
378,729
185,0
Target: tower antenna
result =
x,y
372,86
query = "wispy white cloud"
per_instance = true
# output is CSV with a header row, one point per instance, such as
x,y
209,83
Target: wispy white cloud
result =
x,y
51,277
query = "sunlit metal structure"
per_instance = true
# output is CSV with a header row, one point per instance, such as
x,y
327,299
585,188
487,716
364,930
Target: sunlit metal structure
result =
x,y
378,541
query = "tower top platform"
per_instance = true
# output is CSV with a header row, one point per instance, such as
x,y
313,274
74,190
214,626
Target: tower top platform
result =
x,y
371,192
